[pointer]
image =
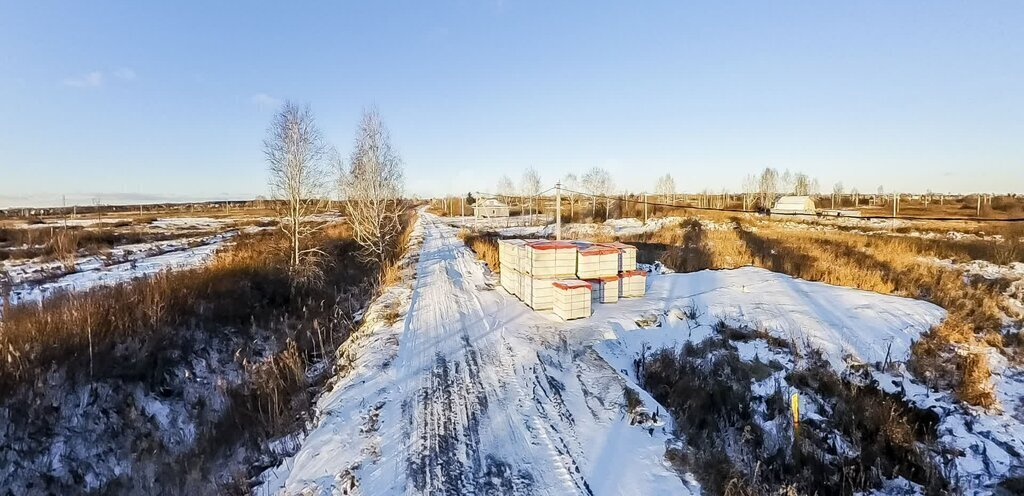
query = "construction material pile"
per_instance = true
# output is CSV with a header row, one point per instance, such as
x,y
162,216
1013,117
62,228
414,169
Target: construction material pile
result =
x,y
568,277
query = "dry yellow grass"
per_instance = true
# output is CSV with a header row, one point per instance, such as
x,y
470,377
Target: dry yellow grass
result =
x,y
884,264
245,283
484,245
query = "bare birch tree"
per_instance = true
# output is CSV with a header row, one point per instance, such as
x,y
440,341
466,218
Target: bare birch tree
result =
x,y
530,186
837,195
665,187
571,185
750,188
787,183
768,187
598,183
506,189
299,178
801,184
372,186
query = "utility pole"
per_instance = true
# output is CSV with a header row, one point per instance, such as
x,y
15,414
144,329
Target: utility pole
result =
x,y
979,204
895,204
645,208
558,211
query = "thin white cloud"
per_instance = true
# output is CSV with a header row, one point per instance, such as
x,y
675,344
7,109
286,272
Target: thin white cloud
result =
x,y
125,74
264,101
93,79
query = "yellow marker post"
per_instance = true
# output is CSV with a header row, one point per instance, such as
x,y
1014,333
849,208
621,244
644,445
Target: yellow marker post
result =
x,y
795,404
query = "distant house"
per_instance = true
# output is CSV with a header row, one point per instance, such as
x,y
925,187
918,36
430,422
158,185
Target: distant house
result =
x,y
794,205
490,207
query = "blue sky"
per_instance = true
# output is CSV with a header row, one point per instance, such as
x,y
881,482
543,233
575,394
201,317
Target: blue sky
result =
x,y
172,99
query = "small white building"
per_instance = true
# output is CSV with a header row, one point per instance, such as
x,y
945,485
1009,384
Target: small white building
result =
x,y
490,207
794,205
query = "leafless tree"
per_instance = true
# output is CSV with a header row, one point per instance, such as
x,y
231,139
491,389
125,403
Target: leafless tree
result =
x,y
299,177
506,188
665,187
787,183
571,183
750,189
837,194
598,182
801,184
530,186
372,186
768,187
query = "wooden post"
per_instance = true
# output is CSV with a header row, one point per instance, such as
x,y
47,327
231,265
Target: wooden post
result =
x,y
558,210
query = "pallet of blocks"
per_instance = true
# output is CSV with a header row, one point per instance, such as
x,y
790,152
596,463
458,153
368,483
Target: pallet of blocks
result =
x,y
627,255
538,292
510,254
572,299
604,289
511,281
593,261
549,259
632,283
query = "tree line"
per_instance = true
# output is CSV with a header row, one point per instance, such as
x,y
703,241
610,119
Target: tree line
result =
x,y
759,191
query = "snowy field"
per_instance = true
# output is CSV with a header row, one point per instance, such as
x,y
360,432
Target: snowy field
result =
x,y
466,390
34,279
131,262
194,244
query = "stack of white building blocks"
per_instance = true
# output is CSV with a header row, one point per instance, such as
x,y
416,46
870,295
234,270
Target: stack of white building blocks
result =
x,y
595,260
627,255
552,275
632,283
572,298
604,289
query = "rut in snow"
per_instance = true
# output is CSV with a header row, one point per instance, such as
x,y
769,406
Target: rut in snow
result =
x,y
474,393
449,338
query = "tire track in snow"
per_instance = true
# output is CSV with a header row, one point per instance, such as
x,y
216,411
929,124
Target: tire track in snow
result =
x,y
463,365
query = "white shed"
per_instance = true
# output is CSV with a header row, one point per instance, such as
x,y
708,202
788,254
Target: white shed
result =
x,y
490,207
794,205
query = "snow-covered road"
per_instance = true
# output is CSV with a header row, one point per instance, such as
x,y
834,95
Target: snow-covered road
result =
x,y
483,396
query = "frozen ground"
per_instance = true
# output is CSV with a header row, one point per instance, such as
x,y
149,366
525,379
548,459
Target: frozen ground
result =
x,y
455,387
124,263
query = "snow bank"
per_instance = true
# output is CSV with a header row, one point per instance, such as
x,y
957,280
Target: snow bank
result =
x,y
847,325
